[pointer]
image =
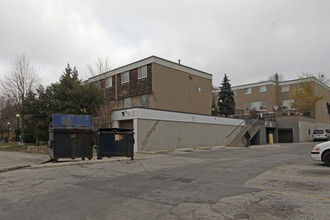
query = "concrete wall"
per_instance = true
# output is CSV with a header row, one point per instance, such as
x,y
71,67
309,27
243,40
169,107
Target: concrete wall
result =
x,y
302,131
260,137
164,130
322,125
305,131
166,135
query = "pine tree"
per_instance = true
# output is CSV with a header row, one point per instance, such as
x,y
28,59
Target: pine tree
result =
x,y
226,100
68,96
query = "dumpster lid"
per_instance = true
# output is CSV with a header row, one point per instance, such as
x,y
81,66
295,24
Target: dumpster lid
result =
x,y
116,129
66,121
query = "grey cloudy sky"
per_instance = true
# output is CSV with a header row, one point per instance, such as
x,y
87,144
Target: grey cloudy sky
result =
x,y
247,39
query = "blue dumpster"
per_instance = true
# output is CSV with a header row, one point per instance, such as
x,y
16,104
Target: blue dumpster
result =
x,y
71,136
115,142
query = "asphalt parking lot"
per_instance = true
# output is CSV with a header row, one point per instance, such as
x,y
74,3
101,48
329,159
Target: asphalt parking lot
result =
x,y
265,182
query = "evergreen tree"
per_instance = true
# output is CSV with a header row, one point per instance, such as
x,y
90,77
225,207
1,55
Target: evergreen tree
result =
x,y
38,108
68,96
73,97
226,100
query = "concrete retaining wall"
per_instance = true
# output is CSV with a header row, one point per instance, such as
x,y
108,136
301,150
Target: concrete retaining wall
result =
x,y
38,149
167,135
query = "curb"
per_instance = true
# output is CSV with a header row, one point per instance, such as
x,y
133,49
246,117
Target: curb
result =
x,y
75,163
181,149
14,168
46,164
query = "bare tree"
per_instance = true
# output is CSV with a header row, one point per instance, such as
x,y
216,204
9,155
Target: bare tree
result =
x,y
21,79
104,119
320,77
101,65
323,78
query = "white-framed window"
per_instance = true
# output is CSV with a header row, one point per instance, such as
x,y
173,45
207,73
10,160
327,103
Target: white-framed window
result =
x,y
234,92
263,89
248,91
286,104
144,101
125,77
285,88
108,82
257,105
142,72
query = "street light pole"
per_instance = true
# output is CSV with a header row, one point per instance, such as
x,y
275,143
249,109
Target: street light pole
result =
x,y
8,123
17,137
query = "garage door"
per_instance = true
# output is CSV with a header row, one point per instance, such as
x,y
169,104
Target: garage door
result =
x,y
285,135
127,124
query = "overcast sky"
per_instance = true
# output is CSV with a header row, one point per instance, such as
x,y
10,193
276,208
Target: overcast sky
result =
x,y
248,39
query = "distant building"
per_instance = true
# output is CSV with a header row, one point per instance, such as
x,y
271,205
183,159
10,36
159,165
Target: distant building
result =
x,y
270,101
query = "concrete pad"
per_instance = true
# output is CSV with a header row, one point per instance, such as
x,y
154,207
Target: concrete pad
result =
x,y
11,160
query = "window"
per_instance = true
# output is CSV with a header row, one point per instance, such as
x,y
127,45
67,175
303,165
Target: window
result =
x,y
286,104
285,88
263,89
125,77
142,72
257,105
145,101
234,92
248,91
108,82
127,103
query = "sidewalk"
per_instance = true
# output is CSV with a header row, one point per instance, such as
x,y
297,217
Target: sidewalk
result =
x,y
15,160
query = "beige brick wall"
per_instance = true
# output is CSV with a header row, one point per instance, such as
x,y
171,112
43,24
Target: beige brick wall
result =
x,y
268,96
321,106
175,90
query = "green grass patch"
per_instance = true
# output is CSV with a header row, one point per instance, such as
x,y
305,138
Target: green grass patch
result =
x,y
4,144
12,146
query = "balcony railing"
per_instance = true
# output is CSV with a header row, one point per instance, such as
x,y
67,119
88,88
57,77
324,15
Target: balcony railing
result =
x,y
269,116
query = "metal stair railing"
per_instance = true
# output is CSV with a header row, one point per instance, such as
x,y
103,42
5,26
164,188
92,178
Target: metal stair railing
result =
x,y
238,139
234,133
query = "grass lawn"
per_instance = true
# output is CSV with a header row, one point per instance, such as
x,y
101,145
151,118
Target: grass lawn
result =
x,y
12,146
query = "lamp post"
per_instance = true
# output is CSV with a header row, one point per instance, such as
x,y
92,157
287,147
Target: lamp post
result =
x,y
8,123
17,137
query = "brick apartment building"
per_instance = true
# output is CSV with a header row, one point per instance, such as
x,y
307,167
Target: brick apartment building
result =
x,y
157,83
271,100
167,104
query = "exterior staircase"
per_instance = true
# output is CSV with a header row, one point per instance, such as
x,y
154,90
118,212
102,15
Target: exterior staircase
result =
x,y
236,137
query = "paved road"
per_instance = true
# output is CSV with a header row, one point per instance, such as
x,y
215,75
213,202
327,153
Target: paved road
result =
x,y
267,182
